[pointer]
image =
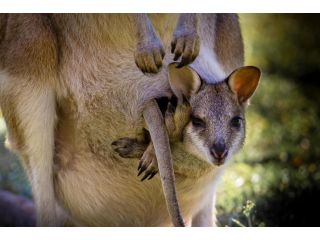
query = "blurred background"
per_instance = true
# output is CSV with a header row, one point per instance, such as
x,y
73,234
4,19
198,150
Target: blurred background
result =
x,y
274,180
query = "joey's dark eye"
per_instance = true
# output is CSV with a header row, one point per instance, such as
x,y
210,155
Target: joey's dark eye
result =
x,y
197,122
236,122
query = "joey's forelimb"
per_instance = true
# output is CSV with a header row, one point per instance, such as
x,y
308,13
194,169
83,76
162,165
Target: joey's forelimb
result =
x,y
144,150
159,136
148,161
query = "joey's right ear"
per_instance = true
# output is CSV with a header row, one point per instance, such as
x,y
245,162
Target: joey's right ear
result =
x,y
183,81
244,81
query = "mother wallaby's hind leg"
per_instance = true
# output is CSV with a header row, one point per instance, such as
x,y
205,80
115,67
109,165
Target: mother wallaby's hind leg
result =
x,y
30,117
27,99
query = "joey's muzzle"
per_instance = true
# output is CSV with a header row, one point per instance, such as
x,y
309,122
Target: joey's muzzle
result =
x,y
219,152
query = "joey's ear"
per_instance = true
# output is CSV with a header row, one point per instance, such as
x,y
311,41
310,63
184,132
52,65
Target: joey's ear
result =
x,y
244,81
183,81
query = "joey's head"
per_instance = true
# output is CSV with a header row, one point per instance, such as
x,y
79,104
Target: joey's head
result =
x,y
216,129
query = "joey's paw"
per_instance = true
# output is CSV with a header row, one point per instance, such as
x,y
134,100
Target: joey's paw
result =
x,y
128,147
148,57
186,46
148,165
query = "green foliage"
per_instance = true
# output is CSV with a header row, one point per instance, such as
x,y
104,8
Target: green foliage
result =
x,y
281,147
279,162
247,212
283,43
12,177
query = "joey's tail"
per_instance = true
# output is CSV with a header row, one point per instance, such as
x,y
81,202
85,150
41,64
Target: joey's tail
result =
x,y
159,136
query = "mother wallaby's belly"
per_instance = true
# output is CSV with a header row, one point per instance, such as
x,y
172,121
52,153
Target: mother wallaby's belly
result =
x,y
96,187
96,193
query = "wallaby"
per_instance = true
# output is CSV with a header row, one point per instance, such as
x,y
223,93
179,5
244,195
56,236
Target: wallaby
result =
x,y
69,87
213,127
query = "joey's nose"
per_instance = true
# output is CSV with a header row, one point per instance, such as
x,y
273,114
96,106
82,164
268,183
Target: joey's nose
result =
x,y
218,150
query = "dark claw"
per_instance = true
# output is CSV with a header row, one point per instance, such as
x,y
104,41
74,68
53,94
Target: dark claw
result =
x,y
152,175
173,46
140,165
162,52
149,174
142,169
193,58
144,177
177,55
184,62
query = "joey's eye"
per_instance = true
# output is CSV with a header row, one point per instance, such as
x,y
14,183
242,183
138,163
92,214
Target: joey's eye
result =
x,y
197,122
236,122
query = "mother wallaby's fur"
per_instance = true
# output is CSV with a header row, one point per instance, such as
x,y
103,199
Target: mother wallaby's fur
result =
x,y
69,86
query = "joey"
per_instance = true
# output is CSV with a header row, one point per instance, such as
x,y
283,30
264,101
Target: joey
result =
x,y
215,127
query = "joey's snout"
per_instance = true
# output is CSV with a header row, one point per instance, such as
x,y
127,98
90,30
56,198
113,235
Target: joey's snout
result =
x,y
219,152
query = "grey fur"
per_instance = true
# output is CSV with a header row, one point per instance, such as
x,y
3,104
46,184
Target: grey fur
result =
x,y
159,137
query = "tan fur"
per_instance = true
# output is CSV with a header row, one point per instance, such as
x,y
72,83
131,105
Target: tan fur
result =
x,y
81,68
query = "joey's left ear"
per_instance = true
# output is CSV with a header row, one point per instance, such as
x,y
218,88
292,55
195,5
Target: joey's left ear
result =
x,y
244,81
184,82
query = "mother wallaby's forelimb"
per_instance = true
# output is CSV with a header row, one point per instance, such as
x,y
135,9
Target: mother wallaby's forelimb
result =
x,y
149,50
160,139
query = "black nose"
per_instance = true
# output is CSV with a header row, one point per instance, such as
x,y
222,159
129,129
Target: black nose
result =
x,y
218,150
